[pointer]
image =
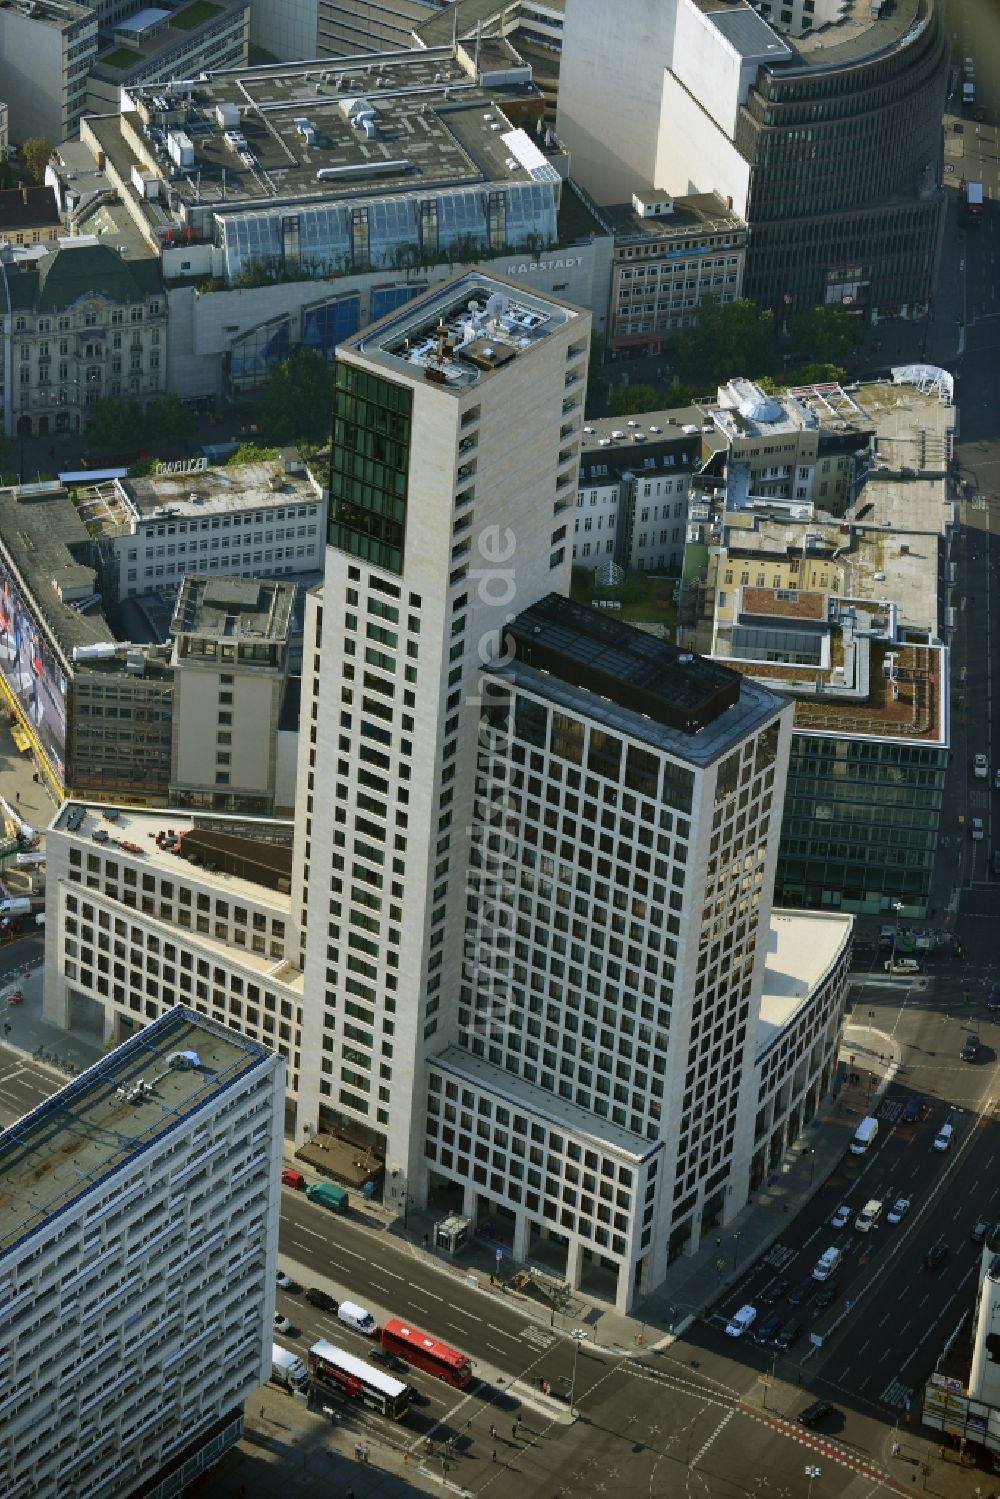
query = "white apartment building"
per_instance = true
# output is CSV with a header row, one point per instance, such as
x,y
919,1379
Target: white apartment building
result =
x,y
634,490
138,1244
456,438
617,922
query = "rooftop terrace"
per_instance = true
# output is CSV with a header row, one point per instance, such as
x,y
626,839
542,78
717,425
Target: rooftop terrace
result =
x,y
233,608
116,507
463,331
100,1122
802,947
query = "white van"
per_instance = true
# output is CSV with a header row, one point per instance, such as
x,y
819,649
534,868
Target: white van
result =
x,y
868,1216
943,1141
827,1263
864,1135
356,1317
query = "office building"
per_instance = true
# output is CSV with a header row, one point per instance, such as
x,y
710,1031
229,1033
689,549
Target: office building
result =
x,y
98,704
961,1398
842,609
821,127
151,45
84,323
138,1244
617,915
670,255
46,51
279,223
232,640
457,427
291,29
634,490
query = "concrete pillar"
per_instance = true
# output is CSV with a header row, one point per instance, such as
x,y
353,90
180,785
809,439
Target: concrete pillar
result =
x,y
574,1264
522,1235
469,1199
56,1000
625,1288
112,1025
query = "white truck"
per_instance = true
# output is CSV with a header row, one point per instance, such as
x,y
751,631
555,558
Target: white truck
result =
x,y
864,1135
287,1369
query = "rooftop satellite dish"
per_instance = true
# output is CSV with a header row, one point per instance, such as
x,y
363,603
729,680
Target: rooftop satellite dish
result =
x,y
497,305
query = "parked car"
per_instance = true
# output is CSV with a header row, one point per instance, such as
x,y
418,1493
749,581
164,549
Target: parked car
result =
x,y
320,1299
996,778
898,1211
387,1360
842,1216
741,1321
980,1229
980,767
976,829
970,1050
292,1178
996,861
911,1113
285,1282
789,1334
813,1414
282,1324
803,1292
993,997
936,1256
826,1295
774,1291
767,1328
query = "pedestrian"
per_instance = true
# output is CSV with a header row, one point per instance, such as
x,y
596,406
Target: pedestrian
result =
x,y
941,1453
493,1432
513,1431
494,1454
895,1449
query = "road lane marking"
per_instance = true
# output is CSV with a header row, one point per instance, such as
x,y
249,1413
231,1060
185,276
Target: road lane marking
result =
x,y
424,1292
495,1348
310,1231
502,1332
391,1274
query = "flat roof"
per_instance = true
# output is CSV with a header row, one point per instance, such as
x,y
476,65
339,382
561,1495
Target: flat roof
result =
x,y
154,838
746,31
63,14
41,540
693,215
560,1112
147,34
646,675
115,507
802,947
434,127
101,1123
462,331
647,439
233,608
862,29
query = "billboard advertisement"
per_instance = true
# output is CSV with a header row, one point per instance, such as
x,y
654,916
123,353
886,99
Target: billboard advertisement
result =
x,y
33,675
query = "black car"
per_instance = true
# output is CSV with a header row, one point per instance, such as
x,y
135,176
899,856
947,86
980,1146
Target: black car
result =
x,y
320,1299
789,1334
387,1360
803,1292
767,1329
813,1414
826,1295
936,1256
774,1292
970,1050
979,1230
993,998
911,1112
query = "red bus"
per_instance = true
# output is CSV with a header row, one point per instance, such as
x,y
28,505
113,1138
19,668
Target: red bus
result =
x,y
427,1353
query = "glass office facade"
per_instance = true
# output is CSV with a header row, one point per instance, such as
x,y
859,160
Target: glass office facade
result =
x,y
369,467
861,824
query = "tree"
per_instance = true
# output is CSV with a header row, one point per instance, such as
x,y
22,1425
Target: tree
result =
x,y
169,422
825,335
735,339
298,402
116,425
35,154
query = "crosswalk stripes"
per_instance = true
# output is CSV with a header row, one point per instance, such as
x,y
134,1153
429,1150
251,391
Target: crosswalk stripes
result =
x,y
891,1109
778,1256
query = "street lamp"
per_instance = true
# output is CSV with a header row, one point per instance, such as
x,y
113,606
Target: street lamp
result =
x,y
579,1335
810,1151
897,906
811,1473
736,1245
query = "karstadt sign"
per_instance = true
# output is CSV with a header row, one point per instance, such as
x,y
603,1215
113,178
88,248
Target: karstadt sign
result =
x,y
526,267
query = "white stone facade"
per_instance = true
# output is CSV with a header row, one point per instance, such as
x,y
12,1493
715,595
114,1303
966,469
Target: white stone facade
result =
x,y
153,1250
